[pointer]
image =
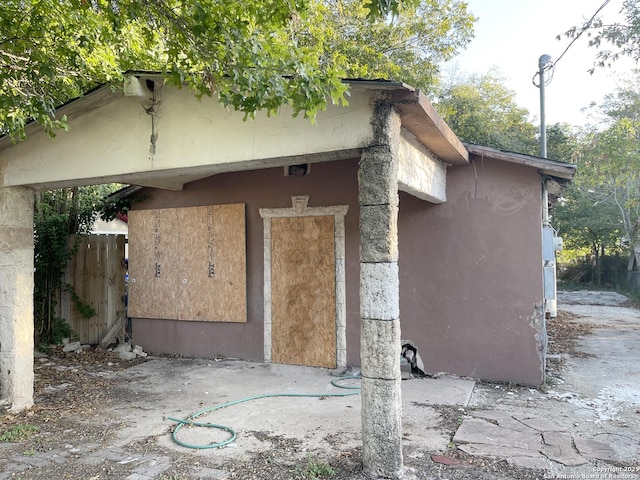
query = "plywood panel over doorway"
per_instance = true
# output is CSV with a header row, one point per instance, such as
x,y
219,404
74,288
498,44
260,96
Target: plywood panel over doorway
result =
x,y
303,275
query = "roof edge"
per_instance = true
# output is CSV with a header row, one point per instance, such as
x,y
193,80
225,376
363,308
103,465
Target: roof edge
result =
x,y
553,168
422,120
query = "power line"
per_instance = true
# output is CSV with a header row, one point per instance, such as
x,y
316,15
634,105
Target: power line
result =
x,y
583,29
551,66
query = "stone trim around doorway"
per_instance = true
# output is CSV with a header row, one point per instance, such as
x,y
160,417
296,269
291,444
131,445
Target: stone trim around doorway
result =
x,y
300,208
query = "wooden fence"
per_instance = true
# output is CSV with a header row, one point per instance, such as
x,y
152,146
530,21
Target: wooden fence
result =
x,y
97,275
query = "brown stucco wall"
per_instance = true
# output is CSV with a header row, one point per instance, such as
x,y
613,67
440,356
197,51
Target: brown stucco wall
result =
x,y
470,269
331,183
470,274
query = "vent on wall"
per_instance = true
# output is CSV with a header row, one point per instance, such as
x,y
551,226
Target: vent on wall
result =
x,y
299,170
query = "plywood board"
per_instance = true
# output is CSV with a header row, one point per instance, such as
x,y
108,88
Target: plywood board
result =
x,y
303,291
214,271
154,283
193,258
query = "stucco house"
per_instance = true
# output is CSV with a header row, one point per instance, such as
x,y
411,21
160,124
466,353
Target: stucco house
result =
x,y
470,268
280,240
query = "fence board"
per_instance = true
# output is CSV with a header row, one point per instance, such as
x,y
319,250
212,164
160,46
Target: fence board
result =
x,y
96,273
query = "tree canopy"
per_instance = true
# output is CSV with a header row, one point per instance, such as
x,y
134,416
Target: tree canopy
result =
x,y
407,47
603,205
245,52
481,110
613,40
256,55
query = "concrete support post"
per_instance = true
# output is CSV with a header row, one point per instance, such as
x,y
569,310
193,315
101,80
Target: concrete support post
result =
x,y
16,297
379,299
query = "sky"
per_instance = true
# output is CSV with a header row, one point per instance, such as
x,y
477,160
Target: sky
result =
x,y
511,35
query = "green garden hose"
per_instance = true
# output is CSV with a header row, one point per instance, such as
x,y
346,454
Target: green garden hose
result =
x,y
189,421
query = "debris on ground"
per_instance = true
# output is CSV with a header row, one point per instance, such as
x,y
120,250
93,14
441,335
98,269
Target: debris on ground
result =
x,y
564,332
128,352
410,362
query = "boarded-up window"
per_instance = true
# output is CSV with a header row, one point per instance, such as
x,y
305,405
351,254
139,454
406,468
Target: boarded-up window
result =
x,y
188,263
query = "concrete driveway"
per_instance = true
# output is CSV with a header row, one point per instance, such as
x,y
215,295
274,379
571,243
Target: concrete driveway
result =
x,y
163,388
587,417
584,424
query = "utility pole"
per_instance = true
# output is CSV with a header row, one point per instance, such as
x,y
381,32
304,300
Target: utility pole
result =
x,y
543,62
548,234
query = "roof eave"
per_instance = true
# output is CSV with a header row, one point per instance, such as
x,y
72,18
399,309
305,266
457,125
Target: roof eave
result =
x,y
421,119
551,168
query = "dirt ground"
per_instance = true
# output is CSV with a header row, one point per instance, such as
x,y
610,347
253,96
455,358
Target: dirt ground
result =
x,y
81,426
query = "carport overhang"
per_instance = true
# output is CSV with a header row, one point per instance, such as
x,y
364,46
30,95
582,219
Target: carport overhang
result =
x,y
109,139
165,137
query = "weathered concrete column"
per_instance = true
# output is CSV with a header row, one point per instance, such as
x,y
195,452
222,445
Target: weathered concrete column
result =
x,y
16,297
380,299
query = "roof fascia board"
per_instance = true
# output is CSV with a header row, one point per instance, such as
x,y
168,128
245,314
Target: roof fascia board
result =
x,y
421,119
546,166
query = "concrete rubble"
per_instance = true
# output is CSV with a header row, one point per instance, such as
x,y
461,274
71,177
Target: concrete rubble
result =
x,y
76,347
125,351
128,352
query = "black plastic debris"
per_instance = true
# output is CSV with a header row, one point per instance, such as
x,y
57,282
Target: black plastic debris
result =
x,y
411,365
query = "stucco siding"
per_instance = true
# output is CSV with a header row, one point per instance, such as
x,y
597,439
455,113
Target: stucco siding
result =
x,y
470,269
112,142
328,184
471,275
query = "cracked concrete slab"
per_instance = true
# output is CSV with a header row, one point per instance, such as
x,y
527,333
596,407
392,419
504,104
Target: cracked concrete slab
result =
x,y
502,419
525,441
594,449
540,424
476,430
558,446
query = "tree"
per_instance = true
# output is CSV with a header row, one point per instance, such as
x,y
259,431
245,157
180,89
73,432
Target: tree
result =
x,y
257,55
604,202
481,110
618,150
51,51
614,168
59,214
563,142
587,218
407,47
614,40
